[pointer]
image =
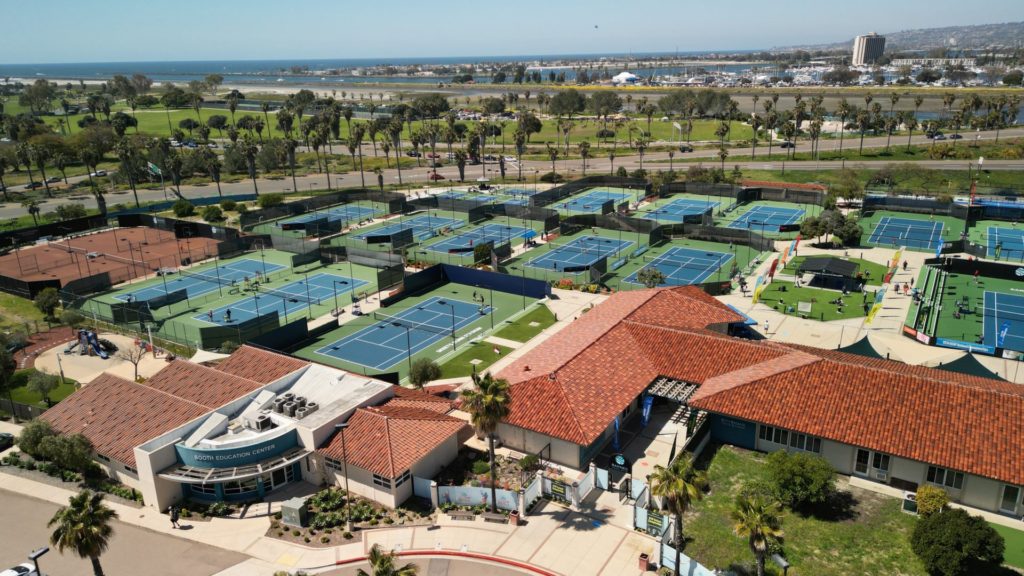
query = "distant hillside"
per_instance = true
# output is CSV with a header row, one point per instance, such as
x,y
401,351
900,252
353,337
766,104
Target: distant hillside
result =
x,y
1008,34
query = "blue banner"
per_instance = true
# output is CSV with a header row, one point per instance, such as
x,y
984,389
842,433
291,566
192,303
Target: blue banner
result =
x,y
646,412
1004,329
938,250
615,439
968,346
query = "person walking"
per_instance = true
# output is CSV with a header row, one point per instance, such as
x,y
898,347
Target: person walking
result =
x,y
209,315
174,517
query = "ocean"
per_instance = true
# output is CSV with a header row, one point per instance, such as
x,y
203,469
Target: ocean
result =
x,y
264,71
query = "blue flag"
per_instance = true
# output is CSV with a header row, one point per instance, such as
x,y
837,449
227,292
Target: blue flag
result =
x,y
1004,329
646,412
615,439
938,250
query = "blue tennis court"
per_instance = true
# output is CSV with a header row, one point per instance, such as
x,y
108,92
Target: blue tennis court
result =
x,y
465,241
1009,241
905,232
684,266
424,224
288,299
386,343
770,216
592,201
678,210
199,282
580,253
518,191
1004,311
344,213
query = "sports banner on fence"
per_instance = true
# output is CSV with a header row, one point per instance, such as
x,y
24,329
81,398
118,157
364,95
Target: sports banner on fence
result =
x,y
771,271
757,287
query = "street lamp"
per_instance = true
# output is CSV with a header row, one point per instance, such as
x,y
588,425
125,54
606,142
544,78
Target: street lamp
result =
x,y
452,306
34,557
344,455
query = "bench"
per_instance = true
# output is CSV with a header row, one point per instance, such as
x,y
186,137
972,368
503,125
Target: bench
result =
x,y
494,517
461,515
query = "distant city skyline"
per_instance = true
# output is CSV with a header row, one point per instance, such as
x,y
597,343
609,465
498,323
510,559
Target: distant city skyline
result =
x,y
127,30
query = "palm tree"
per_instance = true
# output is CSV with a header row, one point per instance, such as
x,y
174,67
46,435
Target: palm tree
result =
x,y
488,404
383,564
679,485
553,155
755,124
265,107
760,521
3,170
843,111
126,154
33,210
641,147
910,121
83,526
460,162
40,154
863,123
723,153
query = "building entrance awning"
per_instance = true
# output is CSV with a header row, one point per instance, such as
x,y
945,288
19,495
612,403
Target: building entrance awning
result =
x,y
185,474
671,389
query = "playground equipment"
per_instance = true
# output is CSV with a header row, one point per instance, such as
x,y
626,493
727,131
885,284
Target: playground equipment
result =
x,y
86,341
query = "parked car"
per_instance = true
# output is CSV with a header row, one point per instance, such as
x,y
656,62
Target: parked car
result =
x,y
25,569
413,154
211,144
98,174
15,345
685,148
787,144
53,180
955,137
435,176
6,441
33,185
940,137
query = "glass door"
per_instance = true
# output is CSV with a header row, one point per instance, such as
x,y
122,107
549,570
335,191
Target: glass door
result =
x,y
1011,494
861,464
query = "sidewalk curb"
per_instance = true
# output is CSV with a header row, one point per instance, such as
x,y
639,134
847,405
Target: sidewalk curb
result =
x,y
467,555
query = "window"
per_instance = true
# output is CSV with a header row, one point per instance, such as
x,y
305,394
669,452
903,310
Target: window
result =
x,y
382,481
236,487
947,478
130,469
403,478
881,462
792,439
333,464
101,457
208,489
772,434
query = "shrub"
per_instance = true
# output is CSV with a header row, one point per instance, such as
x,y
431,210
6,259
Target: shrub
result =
x,y
605,133
72,318
296,533
306,539
423,371
242,208
551,177
228,205
481,467
346,535
328,500
32,436
325,539
212,214
277,515
801,479
529,462
954,543
270,200
183,208
229,346
219,509
931,499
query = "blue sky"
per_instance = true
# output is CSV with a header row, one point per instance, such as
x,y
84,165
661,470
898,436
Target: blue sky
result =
x,y
42,31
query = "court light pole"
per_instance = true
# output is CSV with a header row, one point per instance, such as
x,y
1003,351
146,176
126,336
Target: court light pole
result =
x,y
344,455
972,177
408,343
452,306
34,557
334,285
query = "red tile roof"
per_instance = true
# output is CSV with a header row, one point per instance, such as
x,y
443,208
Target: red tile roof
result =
x,y
206,386
260,365
116,415
409,398
917,413
388,440
587,373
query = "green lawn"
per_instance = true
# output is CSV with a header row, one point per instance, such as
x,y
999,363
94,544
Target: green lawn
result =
x,y
873,539
874,272
21,393
528,326
820,308
17,312
1014,555
462,364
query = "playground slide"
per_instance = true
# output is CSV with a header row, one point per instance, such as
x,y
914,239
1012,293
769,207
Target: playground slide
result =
x,y
96,345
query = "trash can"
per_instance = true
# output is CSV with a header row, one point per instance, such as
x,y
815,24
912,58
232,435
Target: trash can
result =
x,y
645,562
513,517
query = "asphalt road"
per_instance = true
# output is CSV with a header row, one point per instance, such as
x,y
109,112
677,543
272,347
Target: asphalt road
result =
x,y
133,551
530,169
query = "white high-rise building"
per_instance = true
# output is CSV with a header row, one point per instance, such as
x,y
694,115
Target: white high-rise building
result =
x,y
868,49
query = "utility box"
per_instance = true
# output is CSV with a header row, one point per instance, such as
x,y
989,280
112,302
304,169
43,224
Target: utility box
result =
x,y
294,512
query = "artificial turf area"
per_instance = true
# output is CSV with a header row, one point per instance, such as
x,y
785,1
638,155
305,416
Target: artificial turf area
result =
x,y
785,297
873,272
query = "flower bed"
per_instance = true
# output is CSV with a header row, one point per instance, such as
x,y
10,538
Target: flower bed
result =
x,y
327,516
50,473
471,468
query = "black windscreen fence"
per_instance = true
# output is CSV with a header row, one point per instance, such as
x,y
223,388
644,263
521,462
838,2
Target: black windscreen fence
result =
x,y
610,221
390,276
180,228
53,229
576,186
394,201
703,189
212,337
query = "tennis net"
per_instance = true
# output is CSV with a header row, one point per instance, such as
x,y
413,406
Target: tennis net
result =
x,y
694,263
411,324
206,278
289,296
599,250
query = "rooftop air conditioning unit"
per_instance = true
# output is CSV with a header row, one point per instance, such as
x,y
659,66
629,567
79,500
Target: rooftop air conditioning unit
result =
x,y
311,407
300,413
279,407
289,408
289,395
300,400
263,422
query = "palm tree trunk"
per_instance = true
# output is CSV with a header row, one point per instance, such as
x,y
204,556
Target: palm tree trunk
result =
x,y
679,540
909,137
97,569
842,131
760,564
362,176
219,194
494,474
131,181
